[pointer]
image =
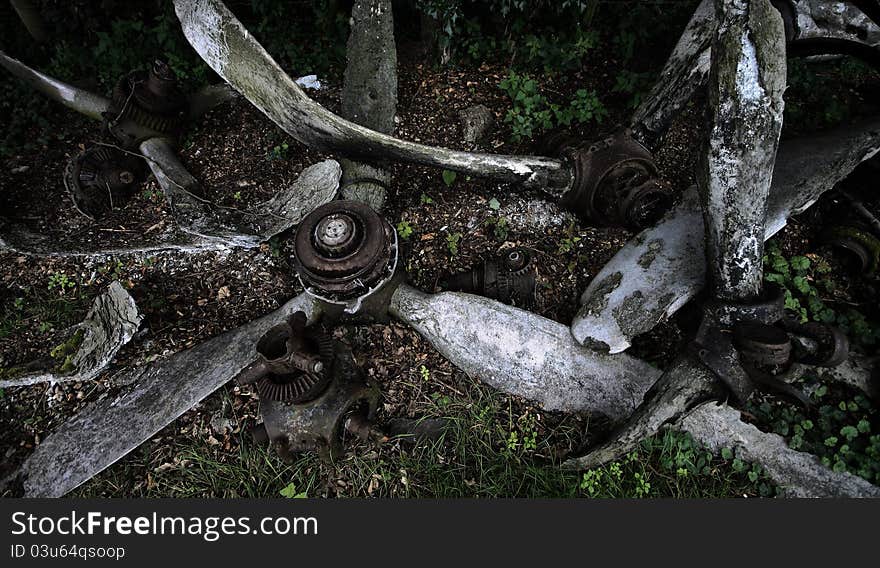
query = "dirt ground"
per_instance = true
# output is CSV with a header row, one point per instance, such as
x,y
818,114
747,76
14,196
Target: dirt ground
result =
x,y
241,158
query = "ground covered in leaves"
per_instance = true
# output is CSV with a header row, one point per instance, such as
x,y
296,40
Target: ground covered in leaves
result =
x,y
495,445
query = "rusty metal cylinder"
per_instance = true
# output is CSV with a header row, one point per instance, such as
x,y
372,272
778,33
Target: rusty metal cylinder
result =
x,y
344,250
510,278
615,183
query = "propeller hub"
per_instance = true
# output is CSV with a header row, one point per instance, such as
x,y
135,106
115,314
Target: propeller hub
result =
x,y
344,250
336,234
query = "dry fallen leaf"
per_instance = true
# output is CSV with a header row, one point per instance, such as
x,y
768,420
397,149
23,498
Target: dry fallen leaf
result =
x,y
222,293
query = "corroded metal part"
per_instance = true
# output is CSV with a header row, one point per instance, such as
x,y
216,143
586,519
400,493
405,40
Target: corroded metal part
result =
x,y
294,363
765,353
145,104
152,396
615,180
727,328
656,273
101,178
510,278
759,345
344,251
857,244
320,424
818,344
763,345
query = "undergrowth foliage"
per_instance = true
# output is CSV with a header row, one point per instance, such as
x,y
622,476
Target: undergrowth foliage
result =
x,y
533,113
813,293
843,429
490,449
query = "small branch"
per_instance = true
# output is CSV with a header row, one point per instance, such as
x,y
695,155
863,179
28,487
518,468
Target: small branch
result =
x,y
30,17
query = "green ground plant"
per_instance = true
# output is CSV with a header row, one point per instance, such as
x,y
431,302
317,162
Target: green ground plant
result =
x,y
452,242
810,288
404,230
841,428
489,449
533,113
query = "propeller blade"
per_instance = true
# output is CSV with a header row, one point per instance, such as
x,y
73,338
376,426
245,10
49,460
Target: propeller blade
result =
x,y
524,354
80,100
227,47
155,395
315,186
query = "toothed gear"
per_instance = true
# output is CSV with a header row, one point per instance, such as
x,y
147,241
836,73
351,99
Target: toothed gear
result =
x,y
300,387
149,99
100,178
518,261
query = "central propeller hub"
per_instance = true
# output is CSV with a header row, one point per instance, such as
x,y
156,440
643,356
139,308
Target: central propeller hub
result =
x,y
337,235
344,251
616,181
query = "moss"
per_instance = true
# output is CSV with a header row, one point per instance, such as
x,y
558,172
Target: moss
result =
x,y
647,258
64,352
599,298
10,373
635,310
67,366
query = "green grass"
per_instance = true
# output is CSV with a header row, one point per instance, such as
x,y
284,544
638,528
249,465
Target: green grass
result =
x,y
43,309
489,450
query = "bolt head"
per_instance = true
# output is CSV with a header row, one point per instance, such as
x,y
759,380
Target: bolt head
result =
x,y
126,177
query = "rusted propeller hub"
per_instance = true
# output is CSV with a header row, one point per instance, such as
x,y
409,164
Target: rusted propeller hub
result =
x,y
101,178
344,251
146,102
615,180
